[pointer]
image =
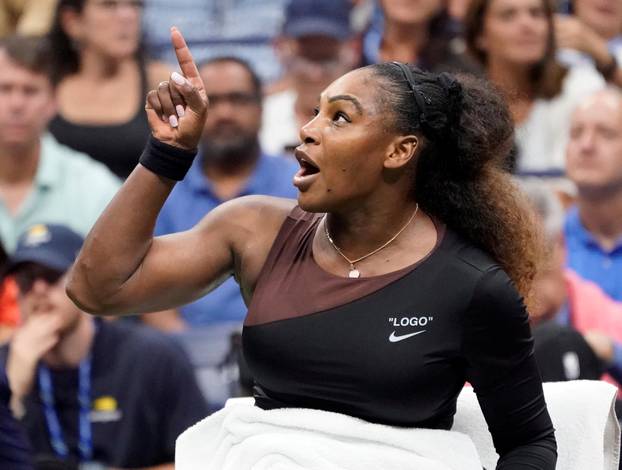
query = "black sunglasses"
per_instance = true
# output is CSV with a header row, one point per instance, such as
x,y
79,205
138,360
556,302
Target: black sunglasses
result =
x,y
26,276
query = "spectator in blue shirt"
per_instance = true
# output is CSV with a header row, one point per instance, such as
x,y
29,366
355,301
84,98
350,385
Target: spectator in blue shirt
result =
x,y
316,46
593,228
230,164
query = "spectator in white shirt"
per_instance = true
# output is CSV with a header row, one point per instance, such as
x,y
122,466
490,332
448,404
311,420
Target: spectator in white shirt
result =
x,y
316,47
515,42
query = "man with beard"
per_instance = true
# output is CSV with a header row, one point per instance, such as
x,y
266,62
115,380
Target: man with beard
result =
x,y
230,164
87,390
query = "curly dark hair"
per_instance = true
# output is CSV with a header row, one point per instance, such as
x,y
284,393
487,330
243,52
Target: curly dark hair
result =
x,y
460,178
65,56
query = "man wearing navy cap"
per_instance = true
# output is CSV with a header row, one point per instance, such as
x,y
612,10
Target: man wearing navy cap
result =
x,y
86,390
315,48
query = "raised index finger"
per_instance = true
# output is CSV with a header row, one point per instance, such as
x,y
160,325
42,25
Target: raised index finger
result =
x,y
184,57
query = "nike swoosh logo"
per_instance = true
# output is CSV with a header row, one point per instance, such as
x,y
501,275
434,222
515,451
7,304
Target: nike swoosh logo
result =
x,y
394,339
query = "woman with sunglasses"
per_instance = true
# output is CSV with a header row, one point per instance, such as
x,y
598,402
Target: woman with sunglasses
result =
x,y
395,277
103,74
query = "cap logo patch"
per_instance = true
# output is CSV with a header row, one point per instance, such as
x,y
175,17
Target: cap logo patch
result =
x,y
105,403
37,235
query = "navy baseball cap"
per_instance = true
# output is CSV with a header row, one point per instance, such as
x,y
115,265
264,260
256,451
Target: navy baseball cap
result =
x,y
318,17
50,245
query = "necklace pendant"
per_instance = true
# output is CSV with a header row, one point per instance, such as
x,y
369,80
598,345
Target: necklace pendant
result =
x,y
354,273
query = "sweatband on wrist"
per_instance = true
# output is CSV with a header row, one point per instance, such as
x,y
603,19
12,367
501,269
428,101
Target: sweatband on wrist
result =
x,y
166,160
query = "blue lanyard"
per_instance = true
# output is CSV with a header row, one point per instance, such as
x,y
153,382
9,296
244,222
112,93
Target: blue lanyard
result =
x,y
46,392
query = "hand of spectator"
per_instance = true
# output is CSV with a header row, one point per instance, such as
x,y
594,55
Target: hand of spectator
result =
x,y
601,344
30,342
177,109
571,33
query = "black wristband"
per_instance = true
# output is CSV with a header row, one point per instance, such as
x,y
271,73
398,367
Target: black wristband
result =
x,y
165,160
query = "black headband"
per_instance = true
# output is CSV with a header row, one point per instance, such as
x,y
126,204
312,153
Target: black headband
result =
x,y
433,122
420,98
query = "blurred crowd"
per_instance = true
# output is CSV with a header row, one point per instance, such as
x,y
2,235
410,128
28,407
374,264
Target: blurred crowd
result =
x,y
87,392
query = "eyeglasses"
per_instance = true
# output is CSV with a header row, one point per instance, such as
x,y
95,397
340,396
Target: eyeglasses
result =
x,y
26,277
116,4
234,99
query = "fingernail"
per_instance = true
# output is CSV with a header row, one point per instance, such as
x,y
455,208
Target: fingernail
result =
x,y
172,119
180,110
164,118
177,78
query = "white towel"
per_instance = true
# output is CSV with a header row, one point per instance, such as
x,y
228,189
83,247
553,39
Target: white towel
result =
x,y
242,437
586,428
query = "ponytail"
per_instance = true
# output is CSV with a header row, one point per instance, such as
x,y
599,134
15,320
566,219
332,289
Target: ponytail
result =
x,y
460,175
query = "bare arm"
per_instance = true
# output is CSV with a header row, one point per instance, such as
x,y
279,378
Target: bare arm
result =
x,y
572,33
122,268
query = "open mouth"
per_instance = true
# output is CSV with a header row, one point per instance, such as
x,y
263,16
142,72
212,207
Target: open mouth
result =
x,y
307,165
307,168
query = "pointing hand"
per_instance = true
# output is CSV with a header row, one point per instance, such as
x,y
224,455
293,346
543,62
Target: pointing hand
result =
x,y
178,108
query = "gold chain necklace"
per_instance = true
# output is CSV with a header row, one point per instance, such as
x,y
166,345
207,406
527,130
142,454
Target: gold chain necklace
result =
x,y
355,273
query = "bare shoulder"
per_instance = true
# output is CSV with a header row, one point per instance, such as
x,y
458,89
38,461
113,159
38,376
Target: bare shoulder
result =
x,y
250,225
267,206
249,217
